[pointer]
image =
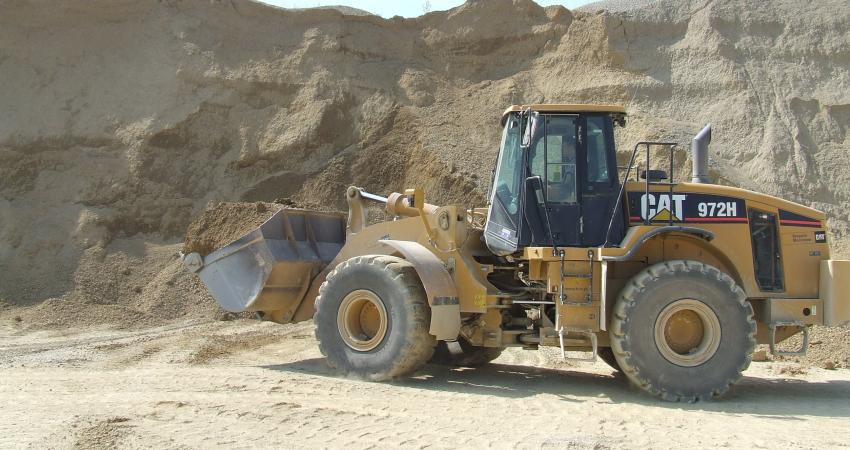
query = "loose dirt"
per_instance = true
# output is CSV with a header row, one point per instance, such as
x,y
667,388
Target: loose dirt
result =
x,y
829,348
223,223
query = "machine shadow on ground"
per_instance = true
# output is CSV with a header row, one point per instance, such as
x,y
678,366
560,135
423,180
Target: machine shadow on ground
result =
x,y
779,398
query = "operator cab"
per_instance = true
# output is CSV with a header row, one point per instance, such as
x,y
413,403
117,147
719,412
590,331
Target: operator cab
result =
x,y
556,180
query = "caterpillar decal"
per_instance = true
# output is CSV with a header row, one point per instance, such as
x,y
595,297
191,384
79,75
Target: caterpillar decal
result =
x,y
660,207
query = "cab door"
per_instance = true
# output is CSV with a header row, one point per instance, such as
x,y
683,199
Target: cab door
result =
x,y
599,181
554,157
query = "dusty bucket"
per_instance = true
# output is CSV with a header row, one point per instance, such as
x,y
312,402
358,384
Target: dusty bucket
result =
x,y
271,267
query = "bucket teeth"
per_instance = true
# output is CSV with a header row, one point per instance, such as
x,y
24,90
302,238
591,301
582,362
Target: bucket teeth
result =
x,y
193,261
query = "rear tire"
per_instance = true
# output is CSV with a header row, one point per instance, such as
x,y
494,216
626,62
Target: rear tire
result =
x,y
683,331
372,318
464,354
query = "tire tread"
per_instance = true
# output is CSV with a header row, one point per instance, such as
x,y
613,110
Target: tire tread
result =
x,y
620,339
419,344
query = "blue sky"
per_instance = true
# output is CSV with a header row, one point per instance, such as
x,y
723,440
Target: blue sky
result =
x,y
406,8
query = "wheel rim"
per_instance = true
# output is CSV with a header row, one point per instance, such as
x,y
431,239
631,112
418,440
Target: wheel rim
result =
x,y
362,320
687,332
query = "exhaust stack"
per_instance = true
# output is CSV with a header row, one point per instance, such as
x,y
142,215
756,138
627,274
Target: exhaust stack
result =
x,y
699,153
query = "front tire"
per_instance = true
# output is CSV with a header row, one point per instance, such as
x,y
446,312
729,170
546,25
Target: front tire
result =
x,y
372,318
683,331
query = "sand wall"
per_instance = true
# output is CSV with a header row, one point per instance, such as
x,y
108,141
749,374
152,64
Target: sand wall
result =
x,y
121,120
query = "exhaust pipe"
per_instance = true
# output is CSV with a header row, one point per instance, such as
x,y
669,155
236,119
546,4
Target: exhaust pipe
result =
x,y
699,153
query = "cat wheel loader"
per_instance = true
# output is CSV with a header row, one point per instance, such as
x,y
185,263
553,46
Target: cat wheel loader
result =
x,y
671,282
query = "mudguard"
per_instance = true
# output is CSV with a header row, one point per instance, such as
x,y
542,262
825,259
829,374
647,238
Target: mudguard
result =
x,y
835,292
439,286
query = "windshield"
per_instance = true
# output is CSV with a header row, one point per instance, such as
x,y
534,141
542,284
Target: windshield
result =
x,y
509,171
502,223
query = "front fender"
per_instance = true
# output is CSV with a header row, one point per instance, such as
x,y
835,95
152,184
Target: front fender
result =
x,y
439,286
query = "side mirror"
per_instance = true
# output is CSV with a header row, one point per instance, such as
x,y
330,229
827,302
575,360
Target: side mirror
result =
x,y
653,175
535,183
619,120
530,128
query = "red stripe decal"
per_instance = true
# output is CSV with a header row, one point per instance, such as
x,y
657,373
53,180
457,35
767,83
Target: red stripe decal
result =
x,y
715,219
696,219
799,222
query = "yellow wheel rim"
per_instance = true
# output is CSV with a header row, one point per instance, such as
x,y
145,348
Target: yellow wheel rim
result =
x,y
362,320
687,333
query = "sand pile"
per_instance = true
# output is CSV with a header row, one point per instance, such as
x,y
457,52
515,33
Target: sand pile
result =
x,y
223,223
123,120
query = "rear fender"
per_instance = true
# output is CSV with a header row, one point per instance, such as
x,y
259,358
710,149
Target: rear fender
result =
x,y
697,238
439,286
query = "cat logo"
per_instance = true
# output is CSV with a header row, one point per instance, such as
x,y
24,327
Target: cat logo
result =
x,y
662,207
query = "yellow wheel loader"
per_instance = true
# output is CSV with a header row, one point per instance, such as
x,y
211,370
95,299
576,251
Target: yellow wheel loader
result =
x,y
673,283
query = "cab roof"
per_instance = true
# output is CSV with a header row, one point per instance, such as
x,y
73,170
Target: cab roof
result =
x,y
569,108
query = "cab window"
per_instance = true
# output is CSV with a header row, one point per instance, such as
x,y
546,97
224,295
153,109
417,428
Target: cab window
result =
x,y
553,158
597,151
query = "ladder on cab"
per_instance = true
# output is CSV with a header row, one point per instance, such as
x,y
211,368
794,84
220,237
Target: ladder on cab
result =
x,y
584,297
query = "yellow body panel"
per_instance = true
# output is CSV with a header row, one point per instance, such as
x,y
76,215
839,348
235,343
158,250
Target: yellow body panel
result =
x,y
732,249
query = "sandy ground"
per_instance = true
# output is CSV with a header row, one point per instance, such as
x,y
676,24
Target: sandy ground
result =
x,y
250,384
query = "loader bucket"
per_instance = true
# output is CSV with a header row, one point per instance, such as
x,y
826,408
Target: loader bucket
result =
x,y
272,267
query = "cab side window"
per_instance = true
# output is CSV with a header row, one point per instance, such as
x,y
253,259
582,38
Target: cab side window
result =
x,y
767,259
597,161
553,158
